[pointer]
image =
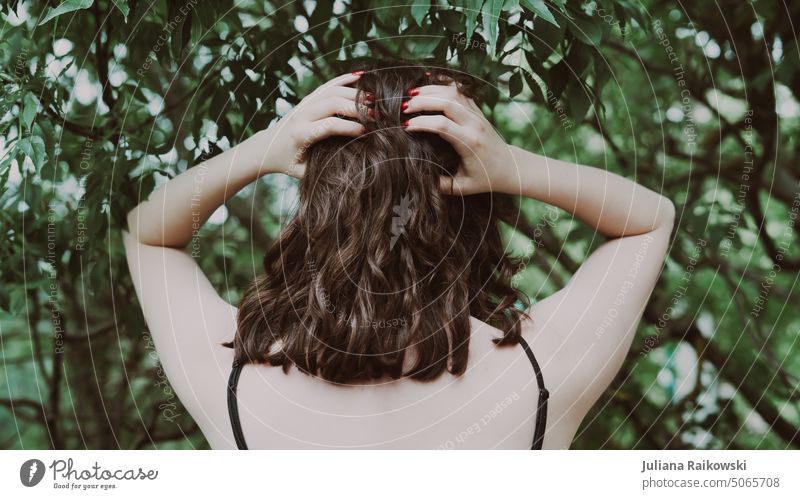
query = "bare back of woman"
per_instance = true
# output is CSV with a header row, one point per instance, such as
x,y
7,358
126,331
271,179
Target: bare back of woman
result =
x,y
385,316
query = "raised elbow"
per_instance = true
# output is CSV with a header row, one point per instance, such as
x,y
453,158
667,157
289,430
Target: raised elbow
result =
x,y
133,222
666,213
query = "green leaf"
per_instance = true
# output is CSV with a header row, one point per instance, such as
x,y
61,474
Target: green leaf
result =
x,y
17,302
29,109
471,10
475,61
578,99
579,58
186,32
558,77
633,10
535,88
122,6
24,145
64,8
586,30
545,38
387,12
539,8
515,85
5,170
39,157
419,9
33,148
453,20
425,44
491,21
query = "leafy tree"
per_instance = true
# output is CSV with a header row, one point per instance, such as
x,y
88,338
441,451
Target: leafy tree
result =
x,y
104,100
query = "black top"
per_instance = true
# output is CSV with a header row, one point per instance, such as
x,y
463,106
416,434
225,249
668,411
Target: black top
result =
x,y
538,429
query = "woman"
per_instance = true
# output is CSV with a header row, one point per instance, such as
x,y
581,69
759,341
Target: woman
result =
x,y
386,300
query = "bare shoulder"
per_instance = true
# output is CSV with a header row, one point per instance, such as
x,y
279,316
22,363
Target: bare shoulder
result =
x,y
544,330
548,336
583,332
188,322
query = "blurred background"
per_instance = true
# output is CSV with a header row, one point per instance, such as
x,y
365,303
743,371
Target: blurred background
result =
x,y
102,101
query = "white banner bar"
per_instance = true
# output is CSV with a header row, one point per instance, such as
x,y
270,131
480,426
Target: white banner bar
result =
x,y
401,474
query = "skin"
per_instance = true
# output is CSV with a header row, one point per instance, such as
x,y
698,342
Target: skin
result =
x,y
579,347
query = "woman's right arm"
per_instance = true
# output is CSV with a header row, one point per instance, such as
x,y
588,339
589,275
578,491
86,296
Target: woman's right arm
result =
x,y
590,324
610,203
587,327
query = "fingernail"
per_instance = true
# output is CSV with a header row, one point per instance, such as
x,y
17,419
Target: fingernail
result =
x,y
404,106
413,91
427,73
358,73
405,123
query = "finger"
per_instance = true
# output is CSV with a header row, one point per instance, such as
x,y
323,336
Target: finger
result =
x,y
442,90
455,110
333,127
451,90
454,186
445,92
459,137
339,81
331,107
346,92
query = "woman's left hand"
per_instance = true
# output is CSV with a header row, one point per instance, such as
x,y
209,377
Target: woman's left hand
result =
x,y
487,161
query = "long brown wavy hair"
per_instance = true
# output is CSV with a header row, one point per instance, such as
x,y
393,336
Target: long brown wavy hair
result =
x,y
377,263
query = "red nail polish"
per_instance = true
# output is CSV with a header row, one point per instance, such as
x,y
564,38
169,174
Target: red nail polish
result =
x,y
404,106
413,91
405,123
427,73
358,73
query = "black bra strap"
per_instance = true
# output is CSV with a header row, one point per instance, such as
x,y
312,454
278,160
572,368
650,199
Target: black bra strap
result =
x,y
539,425
233,407
544,395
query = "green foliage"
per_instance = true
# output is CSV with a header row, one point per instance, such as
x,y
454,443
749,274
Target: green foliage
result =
x,y
103,101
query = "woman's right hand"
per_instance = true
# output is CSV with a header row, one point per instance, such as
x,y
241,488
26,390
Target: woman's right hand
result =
x,y
487,161
313,119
